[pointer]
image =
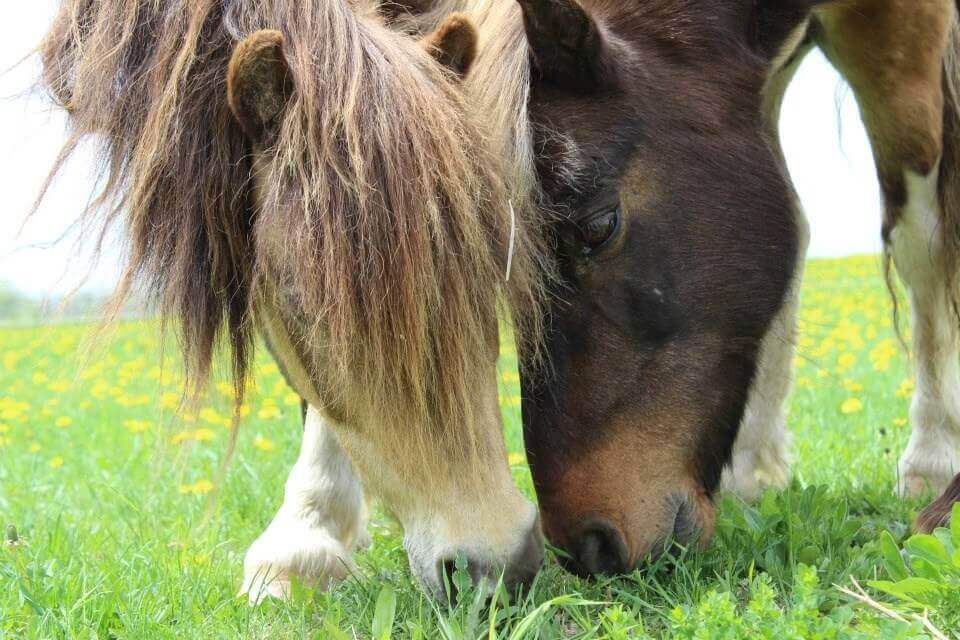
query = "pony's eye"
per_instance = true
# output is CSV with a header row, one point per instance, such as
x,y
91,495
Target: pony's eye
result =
x,y
597,232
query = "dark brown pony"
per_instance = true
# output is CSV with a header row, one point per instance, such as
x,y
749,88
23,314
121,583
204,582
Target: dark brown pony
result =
x,y
297,169
650,127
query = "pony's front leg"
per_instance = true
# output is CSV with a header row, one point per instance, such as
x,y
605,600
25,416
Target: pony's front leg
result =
x,y
761,453
321,522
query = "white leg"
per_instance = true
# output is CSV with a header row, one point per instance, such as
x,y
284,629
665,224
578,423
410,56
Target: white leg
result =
x,y
322,520
931,459
761,454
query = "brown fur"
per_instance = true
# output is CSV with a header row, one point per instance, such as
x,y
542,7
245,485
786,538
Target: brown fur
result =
x,y
258,82
938,513
907,91
453,44
381,222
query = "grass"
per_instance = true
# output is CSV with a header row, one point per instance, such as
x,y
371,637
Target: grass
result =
x,y
106,486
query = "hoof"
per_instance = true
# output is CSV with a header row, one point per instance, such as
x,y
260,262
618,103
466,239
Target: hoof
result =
x,y
309,556
750,474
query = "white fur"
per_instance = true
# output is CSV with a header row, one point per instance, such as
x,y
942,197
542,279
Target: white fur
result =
x,y
322,520
931,459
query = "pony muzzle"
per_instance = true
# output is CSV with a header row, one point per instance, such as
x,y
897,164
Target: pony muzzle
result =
x,y
515,564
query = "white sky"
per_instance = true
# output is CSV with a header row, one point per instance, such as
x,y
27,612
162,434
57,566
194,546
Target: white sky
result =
x,y
823,137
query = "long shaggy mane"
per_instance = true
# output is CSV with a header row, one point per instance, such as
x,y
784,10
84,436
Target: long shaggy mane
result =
x,y
383,213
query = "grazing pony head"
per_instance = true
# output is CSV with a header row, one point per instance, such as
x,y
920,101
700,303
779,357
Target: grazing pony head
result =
x,y
297,168
676,240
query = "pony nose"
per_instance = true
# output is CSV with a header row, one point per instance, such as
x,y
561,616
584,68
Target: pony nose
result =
x,y
599,550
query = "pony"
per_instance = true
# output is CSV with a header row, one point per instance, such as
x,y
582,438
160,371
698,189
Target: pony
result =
x,y
299,171
645,135
680,248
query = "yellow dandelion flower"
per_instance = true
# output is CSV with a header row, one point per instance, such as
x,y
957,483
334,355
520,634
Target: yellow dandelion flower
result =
x,y
263,444
268,412
4,428
846,360
516,459
56,462
181,437
906,389
137,426
211,416
900,422
169,400
511,377
60,386
204,435
851,405
513,401
201,487
852,387
291,399
40,379
63,422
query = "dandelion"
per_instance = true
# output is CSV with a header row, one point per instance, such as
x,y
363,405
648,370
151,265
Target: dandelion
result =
x,y
169,400
181,437
198,488
852,387
900,422
514,401
4,428
263,444
63,422
511,377
516,459
851,405
204,435
137,426
906,389
211,416
268,412
56,462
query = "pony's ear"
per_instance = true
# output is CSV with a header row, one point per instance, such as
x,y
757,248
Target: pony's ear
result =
x,y
453,44
258,83
565,42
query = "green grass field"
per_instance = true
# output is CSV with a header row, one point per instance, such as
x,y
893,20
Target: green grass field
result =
x,y
106,484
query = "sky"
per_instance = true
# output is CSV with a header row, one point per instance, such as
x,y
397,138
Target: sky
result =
x,y
823,139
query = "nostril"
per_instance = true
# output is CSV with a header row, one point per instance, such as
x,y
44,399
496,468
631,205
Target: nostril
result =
x,y
453,579
600,549
685,528
448,570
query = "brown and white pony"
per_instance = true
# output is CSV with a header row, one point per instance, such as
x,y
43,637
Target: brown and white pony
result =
x,y
645,132
297,169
